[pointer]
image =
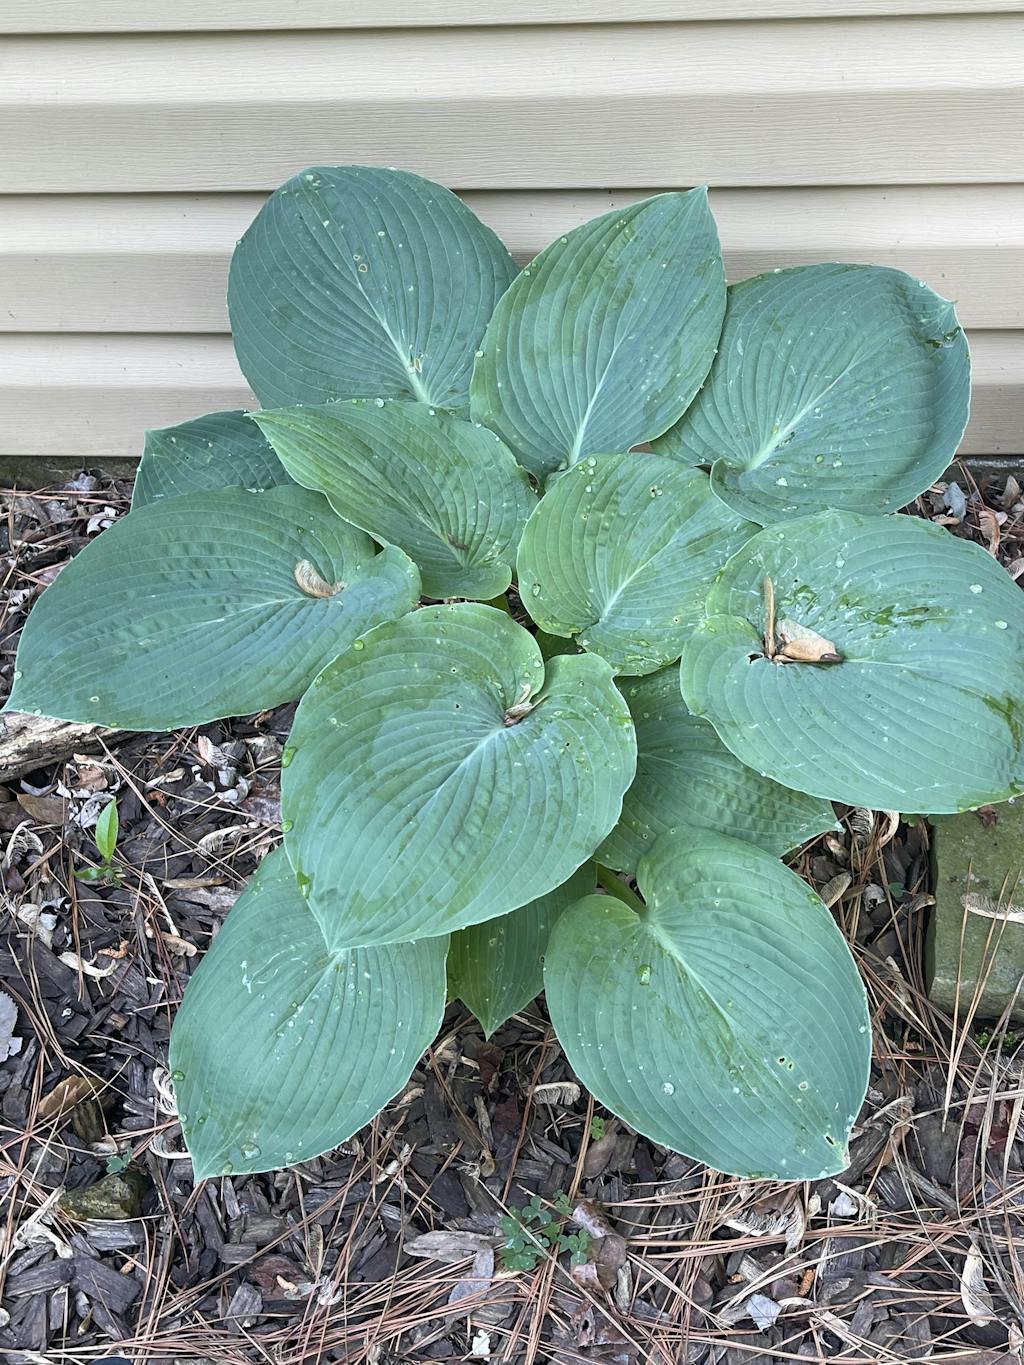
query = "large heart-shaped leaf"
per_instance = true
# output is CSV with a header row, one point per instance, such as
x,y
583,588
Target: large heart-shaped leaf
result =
x,y
498,967
438,775
834,385
283,1047
220,450
727,1021
922,712
355,281
620,554
605,338
687,780
447,492
208,605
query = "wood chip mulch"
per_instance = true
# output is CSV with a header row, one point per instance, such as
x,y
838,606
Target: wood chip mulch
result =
x,y
391,1248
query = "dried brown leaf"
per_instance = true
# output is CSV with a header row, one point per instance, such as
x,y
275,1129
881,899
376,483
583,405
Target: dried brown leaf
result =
x,y
45,810
835,887
64,1096
561,1093
605,1258
988,521
804,646
1010,494
782,1215
599,1153
974,1295
226,839
312,582
592,1218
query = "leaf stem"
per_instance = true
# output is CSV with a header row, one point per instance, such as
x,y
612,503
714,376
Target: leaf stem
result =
x,y
769,618
615,886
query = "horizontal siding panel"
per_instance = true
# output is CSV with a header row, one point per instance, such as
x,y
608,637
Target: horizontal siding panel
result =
x,y
138,16
997,416
93,397
866,101
158,263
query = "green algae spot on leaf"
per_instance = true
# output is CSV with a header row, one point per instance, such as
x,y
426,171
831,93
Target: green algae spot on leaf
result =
x,y
447,492
603,340
922,712
442,774
620,553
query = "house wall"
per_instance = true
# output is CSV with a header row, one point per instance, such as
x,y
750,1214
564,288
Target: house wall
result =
x,y
137,140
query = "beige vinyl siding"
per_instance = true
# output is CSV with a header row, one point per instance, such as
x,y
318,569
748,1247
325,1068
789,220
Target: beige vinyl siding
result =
x,y
138,140
159,263
73,394
920,100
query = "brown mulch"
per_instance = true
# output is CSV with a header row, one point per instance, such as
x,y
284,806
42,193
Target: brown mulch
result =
x,y
389,1250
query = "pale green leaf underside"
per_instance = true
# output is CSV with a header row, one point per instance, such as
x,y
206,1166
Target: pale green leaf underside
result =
x,y
925,712
448,493
728,1023
498,967
355,281
841,386
190,609
620,554
414,808
220,450
282,1049
604,339
687,780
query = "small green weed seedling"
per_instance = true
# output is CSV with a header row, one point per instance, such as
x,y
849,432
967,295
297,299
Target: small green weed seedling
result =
x,y
105,835
586,577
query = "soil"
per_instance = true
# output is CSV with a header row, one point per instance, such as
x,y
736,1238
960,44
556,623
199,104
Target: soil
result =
x,y
393,1248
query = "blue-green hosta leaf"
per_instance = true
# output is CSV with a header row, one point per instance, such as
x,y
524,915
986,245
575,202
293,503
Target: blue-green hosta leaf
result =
x,y
605,338
686,780
498,967
220,450
355,281
282,1047
727,1021
620,554
439,775
924,711
208,605
834,385
447,492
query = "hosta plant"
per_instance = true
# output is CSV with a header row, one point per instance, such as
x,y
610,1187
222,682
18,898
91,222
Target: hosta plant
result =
x,y
589,580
